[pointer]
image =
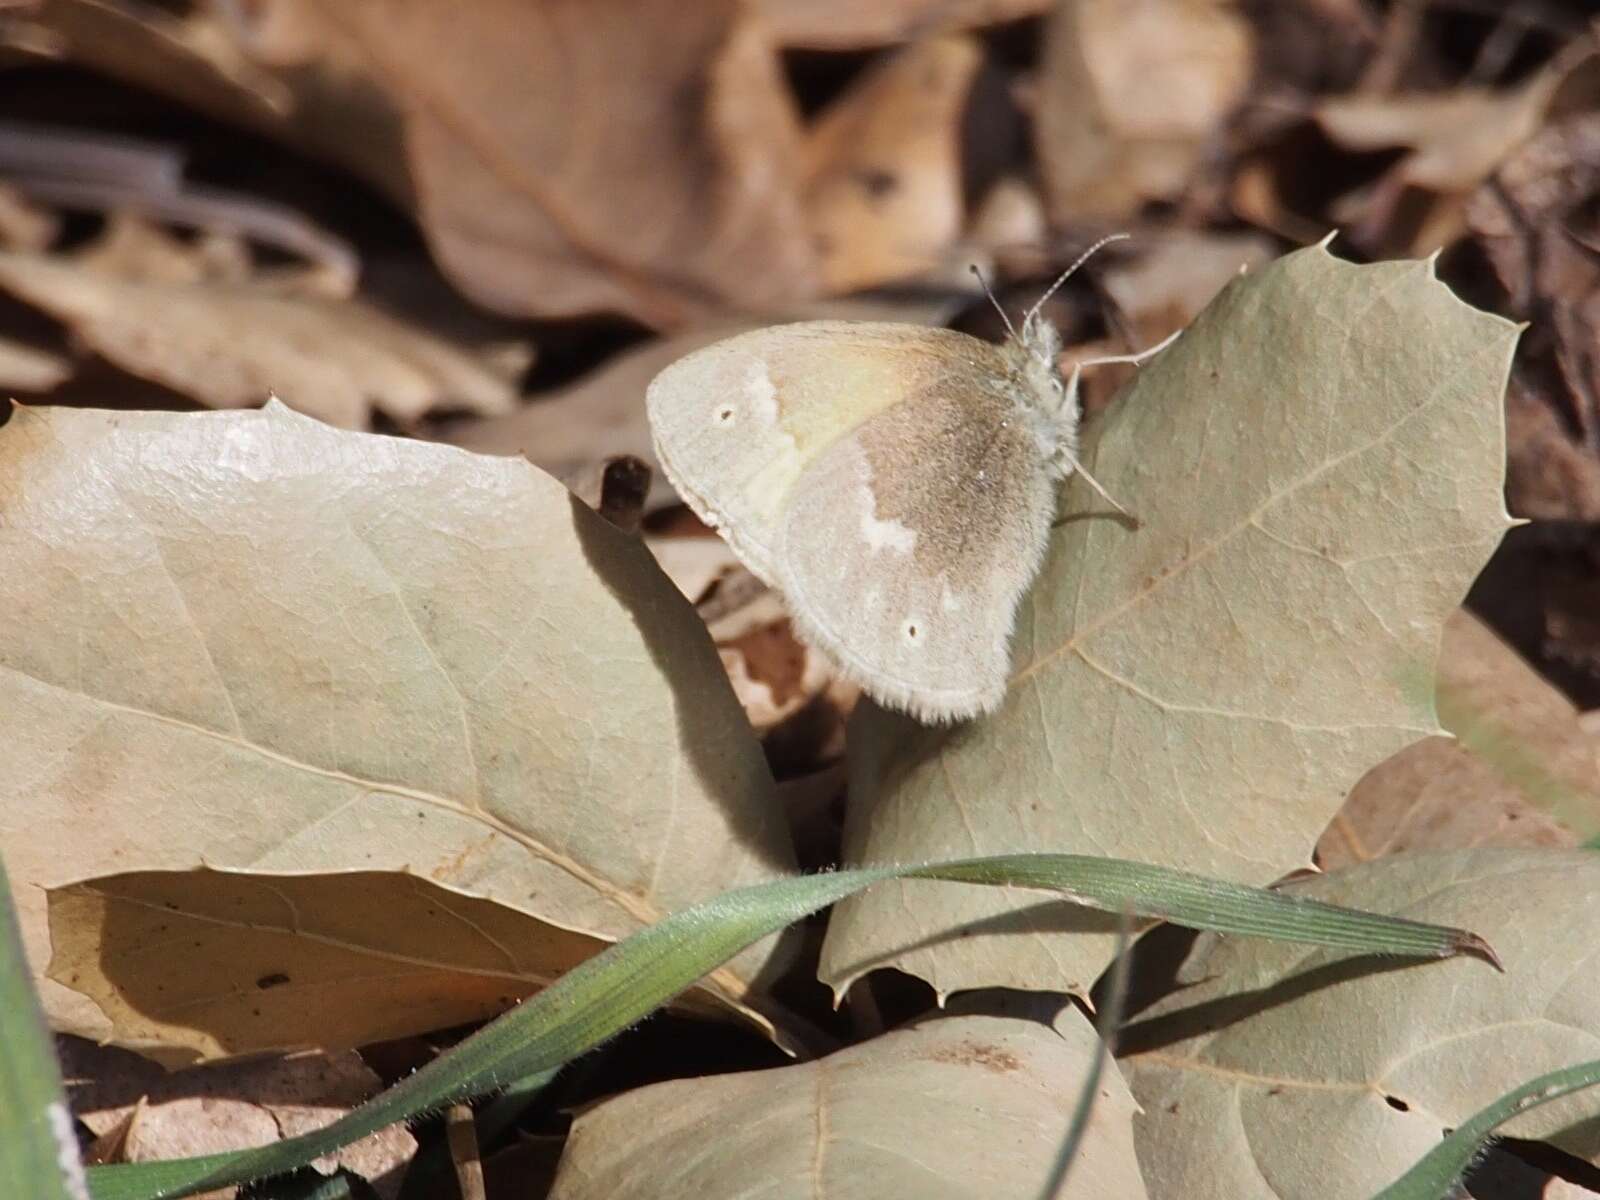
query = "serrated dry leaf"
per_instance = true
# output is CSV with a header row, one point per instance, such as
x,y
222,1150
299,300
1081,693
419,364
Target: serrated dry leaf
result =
x,y
248,641
1520,770
1380,1058
216,1108
954,1108
1129,97
1317,463
883,187
852,25
566,164
232,344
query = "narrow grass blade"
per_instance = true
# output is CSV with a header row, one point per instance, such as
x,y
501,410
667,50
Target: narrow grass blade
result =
x,y
38,1149
1437,1171
627,981
1109,1021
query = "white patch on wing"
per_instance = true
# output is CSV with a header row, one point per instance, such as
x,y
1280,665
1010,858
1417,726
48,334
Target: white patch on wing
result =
x,y
762,392
884,535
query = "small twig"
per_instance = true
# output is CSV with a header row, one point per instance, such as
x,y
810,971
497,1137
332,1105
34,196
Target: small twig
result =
x,y
462,1135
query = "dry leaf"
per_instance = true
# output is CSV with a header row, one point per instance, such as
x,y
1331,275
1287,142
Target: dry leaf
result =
x,y
566,164
218,58
883,167
25,368
852,25
230,345
956,1108
1010,225
248,641
208,1110
1455,140
133,250
696,564
1534,221
530,211
1129,97
287,962
1550,474
1205,690
1176,275
1519,770
1378,1057
24,225
772,672
1456,137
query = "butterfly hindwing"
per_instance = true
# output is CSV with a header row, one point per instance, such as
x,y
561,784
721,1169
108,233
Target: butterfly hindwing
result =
x,y
908,546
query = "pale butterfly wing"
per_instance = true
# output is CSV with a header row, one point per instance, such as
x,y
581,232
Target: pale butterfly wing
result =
x,y
945,502
735,424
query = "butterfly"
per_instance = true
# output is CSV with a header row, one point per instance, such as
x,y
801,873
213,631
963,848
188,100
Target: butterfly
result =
x,y
897,483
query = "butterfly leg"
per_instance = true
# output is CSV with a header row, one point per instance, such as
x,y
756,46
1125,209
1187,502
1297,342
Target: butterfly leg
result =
x,y
1131,359
1071,404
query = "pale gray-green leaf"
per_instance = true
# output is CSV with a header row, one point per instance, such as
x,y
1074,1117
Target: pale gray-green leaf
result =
x,y
1317,463
1287,1074
248,641
959,1108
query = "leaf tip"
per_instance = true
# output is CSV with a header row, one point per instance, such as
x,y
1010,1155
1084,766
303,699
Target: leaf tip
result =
x,y
1471,944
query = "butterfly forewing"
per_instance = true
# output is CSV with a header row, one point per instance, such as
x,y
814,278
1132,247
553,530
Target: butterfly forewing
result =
x,y
736,423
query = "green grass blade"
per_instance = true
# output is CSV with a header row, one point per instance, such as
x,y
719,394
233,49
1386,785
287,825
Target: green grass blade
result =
x,y
1437,1171
627,981
38,1149
1106,1026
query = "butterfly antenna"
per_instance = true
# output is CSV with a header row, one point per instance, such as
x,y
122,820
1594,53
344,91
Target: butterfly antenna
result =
x,y
989,292
1033,312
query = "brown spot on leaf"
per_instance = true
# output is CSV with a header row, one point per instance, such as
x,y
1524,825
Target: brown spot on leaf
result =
x,y
979,1054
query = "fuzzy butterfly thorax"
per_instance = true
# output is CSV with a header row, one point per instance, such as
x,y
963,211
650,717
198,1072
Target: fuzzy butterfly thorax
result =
x,y
1044,392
